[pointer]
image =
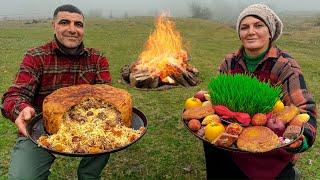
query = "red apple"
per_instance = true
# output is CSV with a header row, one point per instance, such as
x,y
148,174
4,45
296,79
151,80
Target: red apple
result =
x,y
277,126
269,115
201,95
194,124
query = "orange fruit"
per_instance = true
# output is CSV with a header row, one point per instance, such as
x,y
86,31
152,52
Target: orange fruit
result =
x,y
192,102
213,130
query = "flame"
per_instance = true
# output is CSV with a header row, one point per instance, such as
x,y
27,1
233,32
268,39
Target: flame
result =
x,y
163,52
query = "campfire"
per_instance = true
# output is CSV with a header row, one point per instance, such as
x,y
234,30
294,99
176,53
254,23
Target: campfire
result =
x,y
163,61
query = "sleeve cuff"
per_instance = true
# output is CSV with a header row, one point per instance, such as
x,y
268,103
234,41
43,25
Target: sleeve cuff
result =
x,y
18,109
304,146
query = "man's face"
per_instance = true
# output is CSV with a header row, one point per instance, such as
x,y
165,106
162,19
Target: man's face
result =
x,y
69,28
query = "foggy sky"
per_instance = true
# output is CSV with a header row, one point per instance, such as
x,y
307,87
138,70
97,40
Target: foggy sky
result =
x,y
178,8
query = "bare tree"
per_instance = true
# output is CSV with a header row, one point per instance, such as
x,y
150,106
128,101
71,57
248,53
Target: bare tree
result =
x,y
110,16
126,15
95,13
229,10
199,11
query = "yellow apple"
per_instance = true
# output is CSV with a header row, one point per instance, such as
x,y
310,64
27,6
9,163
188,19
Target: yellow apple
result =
x,y
213,130
192,102
210,119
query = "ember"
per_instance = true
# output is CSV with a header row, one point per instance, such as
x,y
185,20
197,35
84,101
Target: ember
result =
x,y
163,60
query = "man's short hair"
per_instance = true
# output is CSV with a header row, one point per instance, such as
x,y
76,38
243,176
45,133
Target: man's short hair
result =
x,y
69,8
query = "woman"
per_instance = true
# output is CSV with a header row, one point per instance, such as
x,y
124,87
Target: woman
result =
x,y
258,28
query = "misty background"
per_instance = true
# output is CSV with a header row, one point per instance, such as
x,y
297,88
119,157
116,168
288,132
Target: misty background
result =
x,y
217,9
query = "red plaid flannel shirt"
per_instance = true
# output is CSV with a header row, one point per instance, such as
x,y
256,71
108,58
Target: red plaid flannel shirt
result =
x,y
279,68
45,69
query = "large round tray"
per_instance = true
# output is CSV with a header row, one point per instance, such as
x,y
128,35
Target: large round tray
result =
x,y
233,147
35,129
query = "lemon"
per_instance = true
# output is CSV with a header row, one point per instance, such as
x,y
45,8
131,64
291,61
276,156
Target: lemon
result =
x,y
279,106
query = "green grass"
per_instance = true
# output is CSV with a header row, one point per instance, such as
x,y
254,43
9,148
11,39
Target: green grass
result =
x,y
243,93
167,147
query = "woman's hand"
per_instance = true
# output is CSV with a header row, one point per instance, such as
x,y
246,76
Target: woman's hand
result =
x,y
24,117
297,144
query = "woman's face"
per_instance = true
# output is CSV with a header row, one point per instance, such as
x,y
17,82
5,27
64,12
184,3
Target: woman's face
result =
x,y
254,35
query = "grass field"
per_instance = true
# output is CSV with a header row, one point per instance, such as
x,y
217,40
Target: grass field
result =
x,y
168,149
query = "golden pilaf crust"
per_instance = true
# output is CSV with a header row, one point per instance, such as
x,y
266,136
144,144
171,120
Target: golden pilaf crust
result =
x,y
58,103
257,139
92,126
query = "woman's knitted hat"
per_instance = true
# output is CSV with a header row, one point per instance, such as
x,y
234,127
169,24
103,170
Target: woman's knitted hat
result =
x,y
269,17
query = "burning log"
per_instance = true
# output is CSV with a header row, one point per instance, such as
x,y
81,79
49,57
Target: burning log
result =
x,y
180,79
190,77
143,80
185,78
193,70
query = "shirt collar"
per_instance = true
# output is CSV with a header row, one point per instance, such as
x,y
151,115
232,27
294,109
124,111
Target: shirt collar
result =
x,y
56,48
272,53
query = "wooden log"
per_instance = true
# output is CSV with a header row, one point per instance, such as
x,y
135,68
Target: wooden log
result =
x,y
178,77
155,82
186,76
125,73
190,78
136,79
143,80
192,70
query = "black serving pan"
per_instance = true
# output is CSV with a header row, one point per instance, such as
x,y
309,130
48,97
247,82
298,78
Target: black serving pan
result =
x,y
35,129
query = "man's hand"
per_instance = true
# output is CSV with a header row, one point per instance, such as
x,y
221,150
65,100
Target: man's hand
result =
x,y
25,115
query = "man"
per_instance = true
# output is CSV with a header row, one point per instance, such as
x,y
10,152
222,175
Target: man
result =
x,y
59,63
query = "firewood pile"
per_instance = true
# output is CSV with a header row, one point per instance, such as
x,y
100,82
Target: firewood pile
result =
x,y
143,79
163,63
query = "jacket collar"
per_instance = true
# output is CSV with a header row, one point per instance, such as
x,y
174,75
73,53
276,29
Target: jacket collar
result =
x,y
58,48
272,53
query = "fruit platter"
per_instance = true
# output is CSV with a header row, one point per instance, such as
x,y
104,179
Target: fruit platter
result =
x,y
240,113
